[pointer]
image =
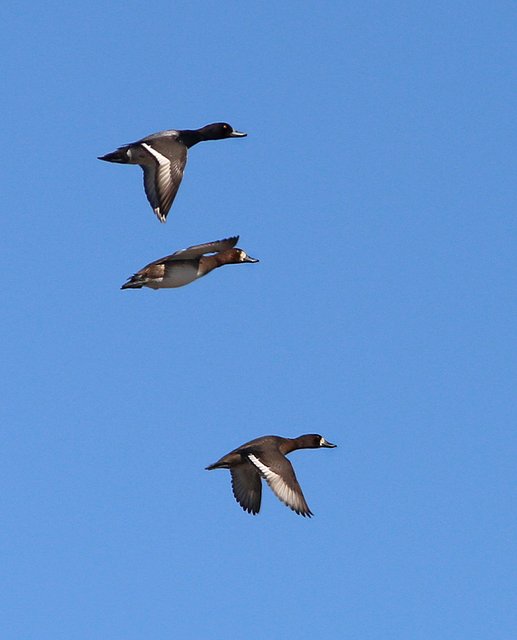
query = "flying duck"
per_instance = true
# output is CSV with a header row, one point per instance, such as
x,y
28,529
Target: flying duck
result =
x,y
163,157
265,458
187,265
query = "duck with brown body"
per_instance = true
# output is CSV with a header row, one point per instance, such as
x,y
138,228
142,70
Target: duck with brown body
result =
x,y
187,265
265,458
163,157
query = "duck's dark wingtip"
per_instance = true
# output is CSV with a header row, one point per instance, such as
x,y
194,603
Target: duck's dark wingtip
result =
x,y
249,510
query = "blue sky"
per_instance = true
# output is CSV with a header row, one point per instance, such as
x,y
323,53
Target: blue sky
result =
x,y
377,187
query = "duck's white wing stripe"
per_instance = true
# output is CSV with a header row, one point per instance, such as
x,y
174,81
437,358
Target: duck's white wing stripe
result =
x,y
159,185
160,158
280,488
266,471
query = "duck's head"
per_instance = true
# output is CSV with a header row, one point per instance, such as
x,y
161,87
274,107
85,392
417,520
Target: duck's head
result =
x,y
235,256
220,130
315,441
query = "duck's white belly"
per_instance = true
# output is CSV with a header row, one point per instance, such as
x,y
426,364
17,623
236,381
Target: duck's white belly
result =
x,y
177,275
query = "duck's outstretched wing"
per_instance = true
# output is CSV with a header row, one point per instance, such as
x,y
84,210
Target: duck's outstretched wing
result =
x,y
195,251
279,474
163,163
198,250
247,487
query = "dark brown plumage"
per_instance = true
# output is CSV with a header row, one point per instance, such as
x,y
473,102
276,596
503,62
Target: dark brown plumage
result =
x,y
265,458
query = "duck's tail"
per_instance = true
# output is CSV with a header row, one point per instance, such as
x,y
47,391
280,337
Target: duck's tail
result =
x,y
120,156
135,282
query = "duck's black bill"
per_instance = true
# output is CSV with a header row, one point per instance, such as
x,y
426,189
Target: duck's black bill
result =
x,y
237,134
250,259
327,444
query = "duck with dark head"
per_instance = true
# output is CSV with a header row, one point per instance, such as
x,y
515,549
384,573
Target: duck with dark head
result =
x,y
264,458
163,156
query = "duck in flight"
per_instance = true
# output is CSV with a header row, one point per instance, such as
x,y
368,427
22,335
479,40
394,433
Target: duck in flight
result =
x,y
163,157
264,458
188,265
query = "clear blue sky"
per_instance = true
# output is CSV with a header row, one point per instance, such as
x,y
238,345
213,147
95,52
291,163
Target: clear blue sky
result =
x,y
377,187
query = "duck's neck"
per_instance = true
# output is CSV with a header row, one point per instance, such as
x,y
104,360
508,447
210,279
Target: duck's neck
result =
x,y
288,445
209,263
292,444
190,137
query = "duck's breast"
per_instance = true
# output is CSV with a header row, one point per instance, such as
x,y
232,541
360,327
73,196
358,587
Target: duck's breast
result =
x,y
179,273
